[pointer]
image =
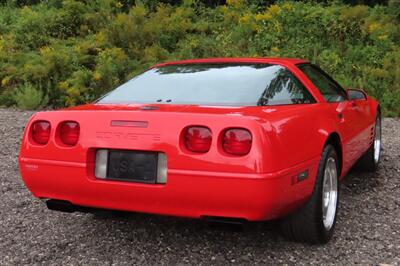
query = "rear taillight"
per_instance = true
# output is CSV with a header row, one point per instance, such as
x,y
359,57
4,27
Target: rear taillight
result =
x,y
237,141
41,132
198,139
69,133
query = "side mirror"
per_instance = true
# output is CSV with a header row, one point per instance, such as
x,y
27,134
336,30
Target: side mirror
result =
x,y
355,94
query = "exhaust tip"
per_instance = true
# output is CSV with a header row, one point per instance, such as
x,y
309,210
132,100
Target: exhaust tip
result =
x,y
225,220
60,205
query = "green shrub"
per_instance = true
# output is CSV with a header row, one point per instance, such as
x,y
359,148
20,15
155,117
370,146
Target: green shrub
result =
x,y
29,98
72,51
7,98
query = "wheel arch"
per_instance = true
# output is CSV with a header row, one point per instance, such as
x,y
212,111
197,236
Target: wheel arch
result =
x,y
335,140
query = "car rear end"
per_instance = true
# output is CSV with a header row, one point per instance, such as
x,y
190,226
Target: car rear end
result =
x,y
183,140
186,164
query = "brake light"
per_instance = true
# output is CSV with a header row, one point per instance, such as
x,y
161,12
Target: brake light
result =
x,y
237,141
69,133
41,132
198,139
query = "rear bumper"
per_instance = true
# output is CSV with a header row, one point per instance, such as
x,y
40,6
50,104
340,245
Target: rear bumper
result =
x,y
187,193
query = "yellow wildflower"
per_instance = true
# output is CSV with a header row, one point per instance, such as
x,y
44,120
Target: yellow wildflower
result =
x,y
63,85
256,28
373,27
101,38
234,3
5,81
275,49
245,19
274,10
265,16
44,49
288,6
382,37
97,76
194,43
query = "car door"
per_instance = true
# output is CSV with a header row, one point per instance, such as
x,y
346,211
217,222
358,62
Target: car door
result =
x,y
349,116
362,106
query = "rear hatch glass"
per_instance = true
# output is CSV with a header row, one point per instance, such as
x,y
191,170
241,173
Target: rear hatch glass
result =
x,y
212,84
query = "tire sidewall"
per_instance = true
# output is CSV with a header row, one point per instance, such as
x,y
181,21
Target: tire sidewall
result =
x,y
324,233
378,118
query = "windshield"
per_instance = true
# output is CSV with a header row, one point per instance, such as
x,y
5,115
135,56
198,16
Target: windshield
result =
x,y
212,84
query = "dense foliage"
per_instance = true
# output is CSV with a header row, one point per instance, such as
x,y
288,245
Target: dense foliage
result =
x,y
62,53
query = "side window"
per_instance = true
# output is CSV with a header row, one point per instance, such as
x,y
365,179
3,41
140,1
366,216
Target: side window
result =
x,y
328,88
285,88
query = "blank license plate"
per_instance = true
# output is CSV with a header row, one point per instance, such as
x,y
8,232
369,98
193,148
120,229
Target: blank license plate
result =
x,y
134,166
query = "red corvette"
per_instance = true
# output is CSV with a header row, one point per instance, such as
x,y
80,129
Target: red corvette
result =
x,y
228,138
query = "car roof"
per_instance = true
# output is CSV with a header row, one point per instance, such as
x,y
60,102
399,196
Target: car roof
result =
x,y
258,60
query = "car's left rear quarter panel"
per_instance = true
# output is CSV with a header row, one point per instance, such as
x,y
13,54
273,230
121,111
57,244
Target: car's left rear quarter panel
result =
x,y
297,135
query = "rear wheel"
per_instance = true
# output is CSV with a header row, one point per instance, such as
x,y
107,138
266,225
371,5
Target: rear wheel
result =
x,y
370,160
315,221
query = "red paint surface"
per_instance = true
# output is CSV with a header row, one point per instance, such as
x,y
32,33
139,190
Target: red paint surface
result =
x,y
286,140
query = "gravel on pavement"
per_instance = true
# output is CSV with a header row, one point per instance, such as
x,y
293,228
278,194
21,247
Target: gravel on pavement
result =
x,y
367,232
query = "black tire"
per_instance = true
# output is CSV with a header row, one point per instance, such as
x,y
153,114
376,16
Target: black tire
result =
x,y
367,162
307,224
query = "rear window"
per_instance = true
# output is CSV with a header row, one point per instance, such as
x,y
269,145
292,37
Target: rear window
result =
x,y
212,84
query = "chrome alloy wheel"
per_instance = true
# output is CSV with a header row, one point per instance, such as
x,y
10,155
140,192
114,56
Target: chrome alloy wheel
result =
x,y
377,140
329,193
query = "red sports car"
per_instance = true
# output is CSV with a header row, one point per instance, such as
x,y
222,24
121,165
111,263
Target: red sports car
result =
x,y
228,139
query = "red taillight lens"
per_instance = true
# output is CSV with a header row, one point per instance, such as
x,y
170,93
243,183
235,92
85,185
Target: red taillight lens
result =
x,y
237,141
41,132
198,139
69,133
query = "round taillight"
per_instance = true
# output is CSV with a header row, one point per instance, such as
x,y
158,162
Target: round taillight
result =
x,y
198,139
69,133
41,132
237,141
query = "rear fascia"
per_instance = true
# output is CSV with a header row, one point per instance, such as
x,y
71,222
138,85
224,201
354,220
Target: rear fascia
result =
x,y
210,184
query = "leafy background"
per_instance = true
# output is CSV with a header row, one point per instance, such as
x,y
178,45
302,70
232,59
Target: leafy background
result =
x,y
58,53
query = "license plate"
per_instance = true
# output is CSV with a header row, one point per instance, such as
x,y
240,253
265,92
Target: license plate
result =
x,y
134,166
